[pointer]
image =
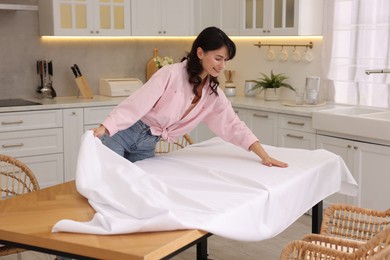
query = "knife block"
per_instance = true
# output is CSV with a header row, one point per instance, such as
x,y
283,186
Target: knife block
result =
x,y
84,88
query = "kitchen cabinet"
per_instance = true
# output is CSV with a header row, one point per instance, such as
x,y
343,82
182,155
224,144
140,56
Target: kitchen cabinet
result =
x,y
220,13
36,139
281,17
76,122
73,130
264,125
85,17
369,164
296,132
161,17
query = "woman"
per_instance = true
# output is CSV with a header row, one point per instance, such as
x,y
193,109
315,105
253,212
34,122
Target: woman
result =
x,y
175,100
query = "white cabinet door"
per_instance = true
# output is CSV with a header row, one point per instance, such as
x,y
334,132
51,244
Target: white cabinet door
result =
x,y
85,17
369,164
344,148
48,169
372,164
73,129
264,125
112,18
223,14
161,17
281,17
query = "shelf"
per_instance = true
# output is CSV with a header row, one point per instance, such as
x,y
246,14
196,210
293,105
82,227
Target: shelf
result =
x,y
15,7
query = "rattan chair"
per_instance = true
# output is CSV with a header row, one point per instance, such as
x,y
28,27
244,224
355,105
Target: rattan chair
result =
x,y
163,147
347,232
15,179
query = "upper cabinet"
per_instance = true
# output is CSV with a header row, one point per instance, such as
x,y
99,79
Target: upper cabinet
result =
x,y
223,14
281,17
161,17
85,17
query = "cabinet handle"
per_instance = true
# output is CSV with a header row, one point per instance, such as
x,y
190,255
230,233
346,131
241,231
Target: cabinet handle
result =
x,y
355,147
12,145
259,115
295,123
349,146
97,31
12,122
295,136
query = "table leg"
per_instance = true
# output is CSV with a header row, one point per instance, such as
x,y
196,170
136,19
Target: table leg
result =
x,y
201,250
316,218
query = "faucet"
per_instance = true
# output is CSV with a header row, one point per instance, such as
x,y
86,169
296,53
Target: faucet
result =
x,y
368,72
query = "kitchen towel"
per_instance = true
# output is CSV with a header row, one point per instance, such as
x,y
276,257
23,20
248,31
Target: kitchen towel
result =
x,y
212,186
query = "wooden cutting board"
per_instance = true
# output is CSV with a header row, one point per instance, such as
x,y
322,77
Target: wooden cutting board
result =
x,y
151,67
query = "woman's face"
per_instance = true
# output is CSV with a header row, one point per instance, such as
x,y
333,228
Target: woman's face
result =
x,y
213,62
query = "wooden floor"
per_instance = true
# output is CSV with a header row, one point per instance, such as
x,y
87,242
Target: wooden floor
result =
x,y
225,249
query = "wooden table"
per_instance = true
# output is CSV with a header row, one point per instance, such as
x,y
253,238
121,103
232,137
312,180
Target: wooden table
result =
x,y
27,220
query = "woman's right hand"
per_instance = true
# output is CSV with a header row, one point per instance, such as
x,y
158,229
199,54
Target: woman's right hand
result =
x,y
100,131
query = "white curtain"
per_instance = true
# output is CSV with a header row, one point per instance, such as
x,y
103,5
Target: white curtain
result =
x,y
356,39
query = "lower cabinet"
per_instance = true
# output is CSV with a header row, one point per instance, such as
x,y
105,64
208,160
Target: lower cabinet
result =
x,y
76,122
296,132
369,164
264,125
36,139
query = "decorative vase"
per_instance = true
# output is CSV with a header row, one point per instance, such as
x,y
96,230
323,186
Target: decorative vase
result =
x,y
271,94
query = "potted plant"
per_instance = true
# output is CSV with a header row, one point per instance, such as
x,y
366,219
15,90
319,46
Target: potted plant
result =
x,y
271,85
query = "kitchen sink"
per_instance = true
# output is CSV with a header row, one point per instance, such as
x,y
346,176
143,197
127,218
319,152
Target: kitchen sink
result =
x,y
358,121
354,111
380,115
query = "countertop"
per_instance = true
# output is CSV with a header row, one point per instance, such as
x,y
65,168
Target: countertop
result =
x,y
239,102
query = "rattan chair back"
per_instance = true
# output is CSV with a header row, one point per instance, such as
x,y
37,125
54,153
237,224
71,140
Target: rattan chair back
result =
x,y
316,247
352,222
15,179
163,147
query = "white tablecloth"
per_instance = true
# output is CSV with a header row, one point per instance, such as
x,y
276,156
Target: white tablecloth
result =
x,y
213,186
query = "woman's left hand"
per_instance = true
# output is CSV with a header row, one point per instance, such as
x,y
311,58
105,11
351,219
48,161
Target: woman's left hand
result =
x,y
273,162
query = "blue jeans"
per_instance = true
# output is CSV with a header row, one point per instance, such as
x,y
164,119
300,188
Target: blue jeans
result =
x,y
134,143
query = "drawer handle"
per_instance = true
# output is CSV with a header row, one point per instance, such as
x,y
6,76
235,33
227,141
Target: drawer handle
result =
x,y
12,145
259,115
295,136
12,122
295,123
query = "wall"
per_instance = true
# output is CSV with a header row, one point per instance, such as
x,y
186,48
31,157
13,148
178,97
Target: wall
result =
x,y
21,46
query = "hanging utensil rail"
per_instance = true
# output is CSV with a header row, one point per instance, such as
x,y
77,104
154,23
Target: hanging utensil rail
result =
x,y
259,44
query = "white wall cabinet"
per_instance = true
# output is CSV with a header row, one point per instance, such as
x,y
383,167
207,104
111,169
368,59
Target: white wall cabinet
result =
x,y
85,17
281,17
223,14
162,17
369,164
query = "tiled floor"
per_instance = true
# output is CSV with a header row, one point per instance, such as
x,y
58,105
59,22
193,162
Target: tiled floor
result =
x,y
226,249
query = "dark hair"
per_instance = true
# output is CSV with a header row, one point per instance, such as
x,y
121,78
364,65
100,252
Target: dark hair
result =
x,y
211,38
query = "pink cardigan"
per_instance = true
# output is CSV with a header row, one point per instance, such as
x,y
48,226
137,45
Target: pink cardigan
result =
x,y
163,100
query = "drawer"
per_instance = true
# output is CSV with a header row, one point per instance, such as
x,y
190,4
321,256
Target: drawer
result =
x,y
96,115
296,139
32,142
16,121
299,123
48,169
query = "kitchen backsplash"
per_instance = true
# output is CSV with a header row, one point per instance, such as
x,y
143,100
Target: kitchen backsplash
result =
x,y
21,46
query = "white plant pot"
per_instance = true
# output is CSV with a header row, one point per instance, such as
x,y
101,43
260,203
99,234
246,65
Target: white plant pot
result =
x,y
271,94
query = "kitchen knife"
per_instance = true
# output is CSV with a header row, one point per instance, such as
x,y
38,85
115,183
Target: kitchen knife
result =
x,y
78,70
74,71
50,71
